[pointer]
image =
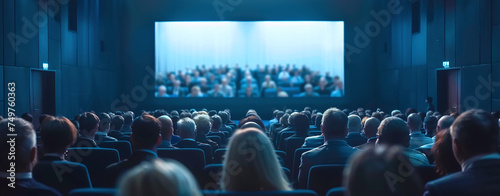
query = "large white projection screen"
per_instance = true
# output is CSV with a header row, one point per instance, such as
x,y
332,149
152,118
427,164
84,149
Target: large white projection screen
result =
x,y
184,46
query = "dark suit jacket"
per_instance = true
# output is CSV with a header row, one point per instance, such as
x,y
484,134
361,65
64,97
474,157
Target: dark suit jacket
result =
x,y
115,170
481,179
26,187
355,139
104,138
166,144
84,142
332,152
115,134
191,143
175,139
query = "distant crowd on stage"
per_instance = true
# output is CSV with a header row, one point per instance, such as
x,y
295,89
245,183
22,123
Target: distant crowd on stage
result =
x,y
263,81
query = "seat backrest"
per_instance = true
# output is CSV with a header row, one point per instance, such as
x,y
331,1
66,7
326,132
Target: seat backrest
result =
x,y
219,155
221,135
297,192
93,192
313,133
63,176
296,162
192,158
123,147
338,191
291,145
96,160
324,177
282,138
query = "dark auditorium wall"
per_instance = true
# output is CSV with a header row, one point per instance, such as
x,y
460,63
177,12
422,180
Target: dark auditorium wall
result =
x,y
138,49
466,33
85,74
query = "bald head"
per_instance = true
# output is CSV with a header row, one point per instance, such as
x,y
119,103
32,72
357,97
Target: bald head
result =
x,y
414,122
445,122
354,123
371,125
393,131
166,127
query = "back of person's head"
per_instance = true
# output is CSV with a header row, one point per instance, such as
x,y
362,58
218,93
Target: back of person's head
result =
x,y
254,119
158,178
224,117
42,117
27,117
402,116
444,122
410,111
378,115
371,126
58,133
381,170
395,112
442,151
186,128
284,120
212,112
301,124
354,123
104,122
414,122
258,166
317,122
24,143
166,127
146,132
334,123
203,124
430,124
116,122
216,122
291,119
393,131
128,118
474,132
185,115
88,122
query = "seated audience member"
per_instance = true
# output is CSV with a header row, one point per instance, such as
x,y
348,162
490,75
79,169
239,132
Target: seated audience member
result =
x,y
430,124
216,124
204,88
115,126
203,126
225,122
443,123
249,92
128,117
58,134
226,89
258,166
89,123
176,90
187,131
166,132
268,83
338,87
276,118
370,130
27,117
162,91
354,137
252,118
104,127
442,151
195,92
158,178
475,141
321,89
308,91
335,150
315,141
381,170
215,92
417,139
301,129
145,139
17,180
40,120
394,132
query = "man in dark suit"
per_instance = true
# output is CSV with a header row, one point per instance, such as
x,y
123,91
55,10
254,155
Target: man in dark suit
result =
x,y
203,126
370,130
166,132
145,139
115,127
176,90
17,180
335,150
354,137
187,131
128,117
417,139
89,123
475,141
301,129
104,127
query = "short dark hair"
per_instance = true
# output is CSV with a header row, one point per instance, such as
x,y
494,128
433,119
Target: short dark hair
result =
x,y
216,121
301,124
145,131
88,121
104,119
116,122
224,116
477,130
28,117
42,117
394,131
334,122
430,123
127,118
58,133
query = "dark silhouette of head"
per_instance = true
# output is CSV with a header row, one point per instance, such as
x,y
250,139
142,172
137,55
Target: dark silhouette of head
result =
x,y
301,125
58,134
116,122
334,124
146,132
393,131
89,123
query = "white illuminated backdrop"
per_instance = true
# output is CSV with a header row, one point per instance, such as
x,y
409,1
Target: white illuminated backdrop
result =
x,y
316,44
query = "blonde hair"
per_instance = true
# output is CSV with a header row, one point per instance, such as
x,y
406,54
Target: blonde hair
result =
x,y
166,178
251,164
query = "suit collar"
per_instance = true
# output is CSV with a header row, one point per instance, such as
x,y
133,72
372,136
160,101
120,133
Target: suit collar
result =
x,y
482,160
